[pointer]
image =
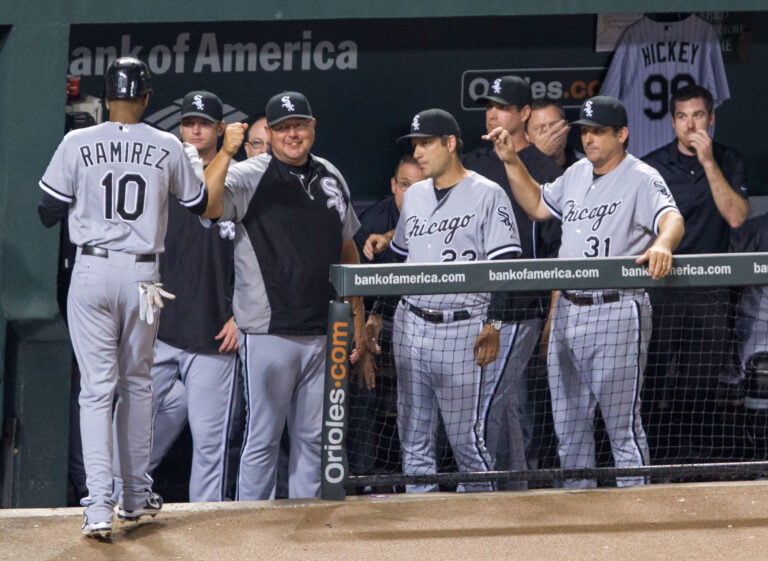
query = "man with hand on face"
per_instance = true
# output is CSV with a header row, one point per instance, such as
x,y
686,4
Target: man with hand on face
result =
x,y
548,130
293,221
708,181
599,338
443,343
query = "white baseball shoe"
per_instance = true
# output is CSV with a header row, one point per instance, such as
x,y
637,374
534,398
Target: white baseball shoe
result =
x,y
151,507
96,529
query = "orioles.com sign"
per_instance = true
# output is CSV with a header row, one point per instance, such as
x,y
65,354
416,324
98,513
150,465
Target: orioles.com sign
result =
x,y
334,468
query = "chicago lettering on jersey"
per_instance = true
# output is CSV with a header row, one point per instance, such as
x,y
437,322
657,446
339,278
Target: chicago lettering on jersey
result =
x,y
418,226
123,152
575,212
670,51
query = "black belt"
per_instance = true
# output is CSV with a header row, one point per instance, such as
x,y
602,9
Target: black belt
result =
x,y
437,316
95,251
605,297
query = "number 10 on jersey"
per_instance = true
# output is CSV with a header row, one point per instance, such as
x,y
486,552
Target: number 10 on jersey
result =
x,y
125,197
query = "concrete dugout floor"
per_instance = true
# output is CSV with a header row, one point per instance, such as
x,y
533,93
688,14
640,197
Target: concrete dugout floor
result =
x,y
703,521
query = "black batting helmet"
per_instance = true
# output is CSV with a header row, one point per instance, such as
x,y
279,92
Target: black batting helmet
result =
x,y
126,78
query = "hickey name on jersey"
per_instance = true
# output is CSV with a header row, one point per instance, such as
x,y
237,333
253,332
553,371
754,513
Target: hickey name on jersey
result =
x,y
418,226
670,51
123,152
574,212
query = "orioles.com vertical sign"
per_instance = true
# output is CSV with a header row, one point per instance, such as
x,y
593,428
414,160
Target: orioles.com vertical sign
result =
x,y
334,458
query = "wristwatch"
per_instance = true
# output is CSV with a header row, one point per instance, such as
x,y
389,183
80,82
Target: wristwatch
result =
x,y
495,323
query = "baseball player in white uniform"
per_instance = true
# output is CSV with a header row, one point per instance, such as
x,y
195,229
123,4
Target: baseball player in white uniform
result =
x,y
610,204
442,342
113,180
652,61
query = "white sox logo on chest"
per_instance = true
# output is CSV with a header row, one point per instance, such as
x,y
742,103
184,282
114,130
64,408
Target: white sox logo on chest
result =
x,y
418,226
574,212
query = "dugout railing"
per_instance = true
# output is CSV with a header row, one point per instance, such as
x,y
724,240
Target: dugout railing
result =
x,y
722,270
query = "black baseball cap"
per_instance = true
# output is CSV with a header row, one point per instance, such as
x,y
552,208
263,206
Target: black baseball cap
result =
x,y
433,122
202,104
602,111
288,105
508,90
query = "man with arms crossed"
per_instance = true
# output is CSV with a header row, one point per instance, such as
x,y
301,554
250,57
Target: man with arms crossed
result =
x,y
599,338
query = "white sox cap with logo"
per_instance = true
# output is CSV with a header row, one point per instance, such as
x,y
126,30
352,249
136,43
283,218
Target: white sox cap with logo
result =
x,y
433,122
287,105
508,90
202,104
602,111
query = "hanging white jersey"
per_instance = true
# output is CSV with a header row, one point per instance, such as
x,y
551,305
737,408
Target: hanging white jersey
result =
x,y
652,61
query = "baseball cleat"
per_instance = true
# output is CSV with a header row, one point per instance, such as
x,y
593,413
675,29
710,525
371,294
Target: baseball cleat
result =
x,y
97,529
151,507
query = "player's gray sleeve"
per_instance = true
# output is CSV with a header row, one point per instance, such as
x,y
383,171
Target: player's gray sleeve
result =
x,y
658,202
351,224
242,180
185,184
399,244
58,179
551,196
501,233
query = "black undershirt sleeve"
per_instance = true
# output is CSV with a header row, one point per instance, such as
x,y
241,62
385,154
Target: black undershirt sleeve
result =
x,y
51,210
498,299
384,303
200,207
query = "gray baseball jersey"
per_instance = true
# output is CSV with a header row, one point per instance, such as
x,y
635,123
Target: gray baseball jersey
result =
x,y
474,221
598,343
437,374
116,178
652,61
615,214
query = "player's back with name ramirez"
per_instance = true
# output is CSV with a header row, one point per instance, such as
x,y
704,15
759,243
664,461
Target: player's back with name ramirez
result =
x,y
120,176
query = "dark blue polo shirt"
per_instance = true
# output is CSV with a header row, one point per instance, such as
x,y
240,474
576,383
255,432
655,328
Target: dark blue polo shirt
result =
x,y
706,231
